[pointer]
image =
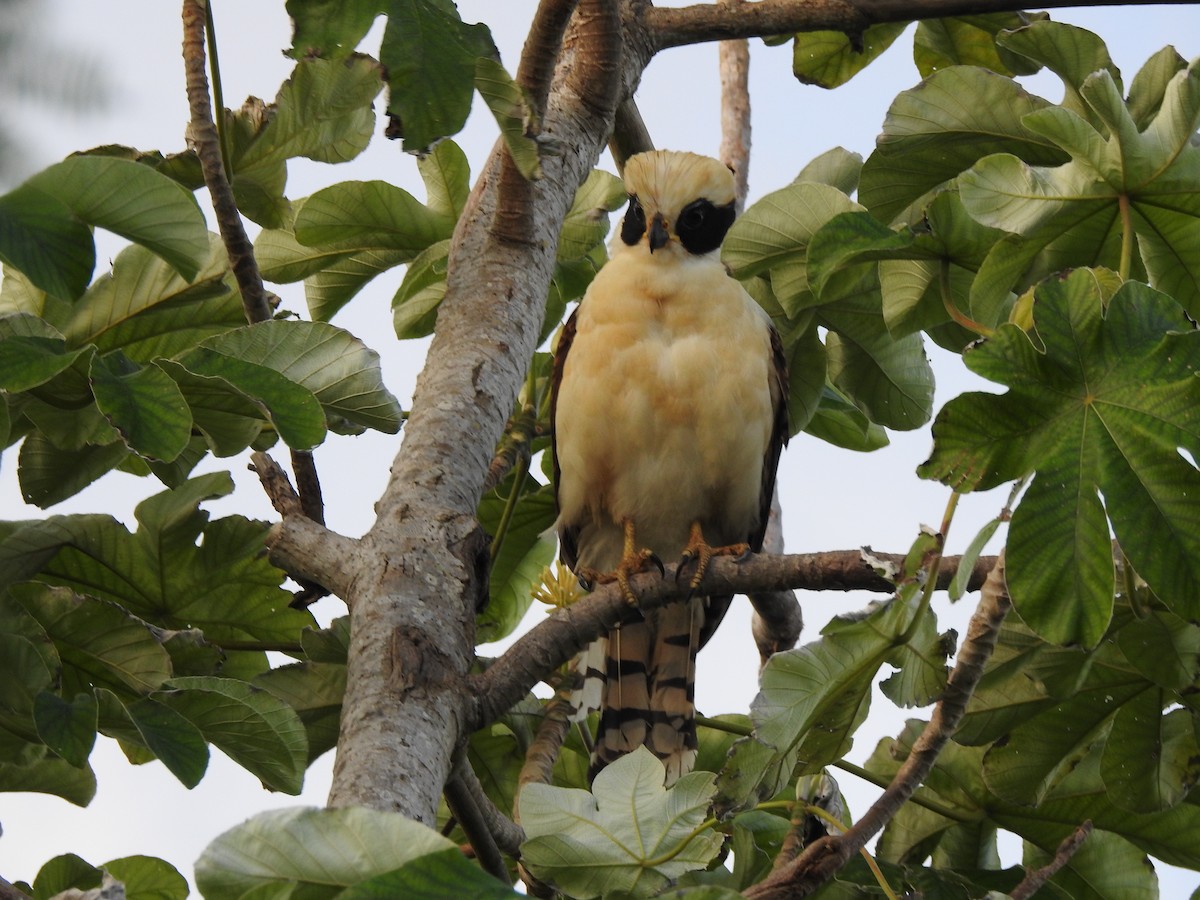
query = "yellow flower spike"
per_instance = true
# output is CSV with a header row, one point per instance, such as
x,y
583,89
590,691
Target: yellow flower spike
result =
x,y
558,588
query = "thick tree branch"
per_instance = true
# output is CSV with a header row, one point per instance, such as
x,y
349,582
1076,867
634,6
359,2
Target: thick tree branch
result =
x,y
424,561
675,27
559,637
822,860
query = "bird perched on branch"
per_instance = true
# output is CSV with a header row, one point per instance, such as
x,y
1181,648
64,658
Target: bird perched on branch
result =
x,y
669,413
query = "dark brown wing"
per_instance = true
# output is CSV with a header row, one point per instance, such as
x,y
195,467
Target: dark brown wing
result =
x,y
568,535
780,432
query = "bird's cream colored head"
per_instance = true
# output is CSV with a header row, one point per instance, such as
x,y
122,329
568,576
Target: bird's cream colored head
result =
x,y
679,200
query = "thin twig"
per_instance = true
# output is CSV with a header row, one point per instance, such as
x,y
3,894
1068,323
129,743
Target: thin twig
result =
x,y
1034,880
207,144
464,806
630,135
733,64
543,751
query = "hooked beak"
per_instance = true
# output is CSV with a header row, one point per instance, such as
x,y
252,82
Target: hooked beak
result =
x,y
658,233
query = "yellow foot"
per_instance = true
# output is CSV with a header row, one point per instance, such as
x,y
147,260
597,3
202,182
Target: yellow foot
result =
x,y
633,561
699,550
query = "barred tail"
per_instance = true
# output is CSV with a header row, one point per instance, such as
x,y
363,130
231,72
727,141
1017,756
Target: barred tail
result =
x,y
649,691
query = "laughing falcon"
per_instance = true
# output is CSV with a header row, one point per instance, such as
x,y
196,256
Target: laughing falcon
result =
x,y
669,412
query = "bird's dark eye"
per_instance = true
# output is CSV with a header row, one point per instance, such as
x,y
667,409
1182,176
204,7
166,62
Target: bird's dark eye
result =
x,y
634,224
701,225
691,218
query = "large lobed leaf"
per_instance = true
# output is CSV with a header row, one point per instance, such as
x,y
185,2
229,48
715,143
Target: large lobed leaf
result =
x,y
1103,409
159,573
631,834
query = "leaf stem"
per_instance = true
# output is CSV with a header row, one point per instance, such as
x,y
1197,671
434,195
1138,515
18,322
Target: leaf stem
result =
x,y
880,781
727,727
951,309
1126,236
214,64
510,505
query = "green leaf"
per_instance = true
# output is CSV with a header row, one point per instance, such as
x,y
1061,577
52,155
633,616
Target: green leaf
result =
x,y
65,872
774,235
320,126
429,54
99,643
1040,753
148,878
143,404
888,379
415,305
50,776
1103,409
941,128
358,215
323,112
341,372
1150,85
447,176
67,726
843,424
839,168
293,409
27,361
134,201
1073,214
586,223
334,286
224,585
806,379
48,475
442,875
1071,52
173,739
968,41
330,29
517,568
514,114
317,851
829,59
314,691
146,309
327,645
966,562
41,237
631,835
254,728
1151,761
229,419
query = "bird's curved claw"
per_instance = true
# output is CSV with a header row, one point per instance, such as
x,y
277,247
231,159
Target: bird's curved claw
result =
x,y
654,560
